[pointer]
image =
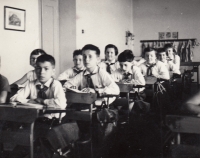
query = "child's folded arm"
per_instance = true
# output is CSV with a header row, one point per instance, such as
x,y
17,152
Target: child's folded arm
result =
x,y
162,73
139,78
64,76
22,94
111,89
59,99
75,81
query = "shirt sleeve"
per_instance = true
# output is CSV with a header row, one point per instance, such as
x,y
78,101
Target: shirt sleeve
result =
x,y
162,71
138,77
174,68
177,61
142,69
76,81
65,75
22,94
115,76
4,84
110,86
59,99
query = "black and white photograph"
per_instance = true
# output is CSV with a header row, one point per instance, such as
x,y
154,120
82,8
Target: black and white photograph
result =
x,y
99,79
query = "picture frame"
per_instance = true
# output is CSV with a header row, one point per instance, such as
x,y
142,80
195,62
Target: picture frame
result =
x,y
161,35
175,35
14,19
167,35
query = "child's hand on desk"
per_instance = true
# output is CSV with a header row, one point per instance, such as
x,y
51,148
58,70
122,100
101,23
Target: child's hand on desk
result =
x,y
39,100
32,101
126,81
88,90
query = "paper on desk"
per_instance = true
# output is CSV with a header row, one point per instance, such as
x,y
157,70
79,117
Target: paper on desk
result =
x,y
75,90
27,105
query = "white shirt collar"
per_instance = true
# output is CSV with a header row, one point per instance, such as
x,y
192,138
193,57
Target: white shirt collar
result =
x,y
47,84
83,68
113,61
95,71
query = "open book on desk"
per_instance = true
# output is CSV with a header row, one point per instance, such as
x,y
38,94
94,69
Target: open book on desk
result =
x,y
74,90
26,105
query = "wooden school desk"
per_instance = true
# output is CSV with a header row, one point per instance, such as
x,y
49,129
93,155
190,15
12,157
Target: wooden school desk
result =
x,y
83,98
183,124
22,114
126,88
195,66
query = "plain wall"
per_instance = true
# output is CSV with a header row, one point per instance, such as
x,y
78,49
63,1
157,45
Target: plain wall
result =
x,y
16,46
103,22
151,17
67,24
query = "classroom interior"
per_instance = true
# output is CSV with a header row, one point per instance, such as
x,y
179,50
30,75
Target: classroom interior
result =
x,y
81,22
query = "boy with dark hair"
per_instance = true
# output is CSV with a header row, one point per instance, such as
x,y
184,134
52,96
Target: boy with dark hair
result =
x,y
4,87
171,53
45,89
153,67
31,75
93,79
128,73
78,67
110,64
162,56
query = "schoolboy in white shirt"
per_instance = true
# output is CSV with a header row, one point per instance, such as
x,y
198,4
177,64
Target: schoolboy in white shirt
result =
x,y
78,67
45,89
153,67
127,73
110,64
172,68
171,53
93,79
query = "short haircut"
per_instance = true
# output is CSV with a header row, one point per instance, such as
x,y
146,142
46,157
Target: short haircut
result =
x,y
37,52
126,56
112,46
167,46
161,50
77,52
46,58
149,49
91,47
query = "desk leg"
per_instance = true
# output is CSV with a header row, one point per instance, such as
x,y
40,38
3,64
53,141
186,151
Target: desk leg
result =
x,y
198,76
178,138
32,139
127,96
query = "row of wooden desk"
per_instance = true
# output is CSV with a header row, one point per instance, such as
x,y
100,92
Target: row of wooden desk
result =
x,y
25,114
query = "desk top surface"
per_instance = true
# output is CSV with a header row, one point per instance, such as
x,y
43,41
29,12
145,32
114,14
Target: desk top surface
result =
x,y
183,123
190,63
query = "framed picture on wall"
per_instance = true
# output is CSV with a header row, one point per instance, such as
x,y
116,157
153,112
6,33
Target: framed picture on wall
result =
x,y
14,19
161,35
175,35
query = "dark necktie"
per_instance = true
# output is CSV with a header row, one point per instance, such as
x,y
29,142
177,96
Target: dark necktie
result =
x,y
89,81
77,71
149,69
41,92
126,75
108,67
